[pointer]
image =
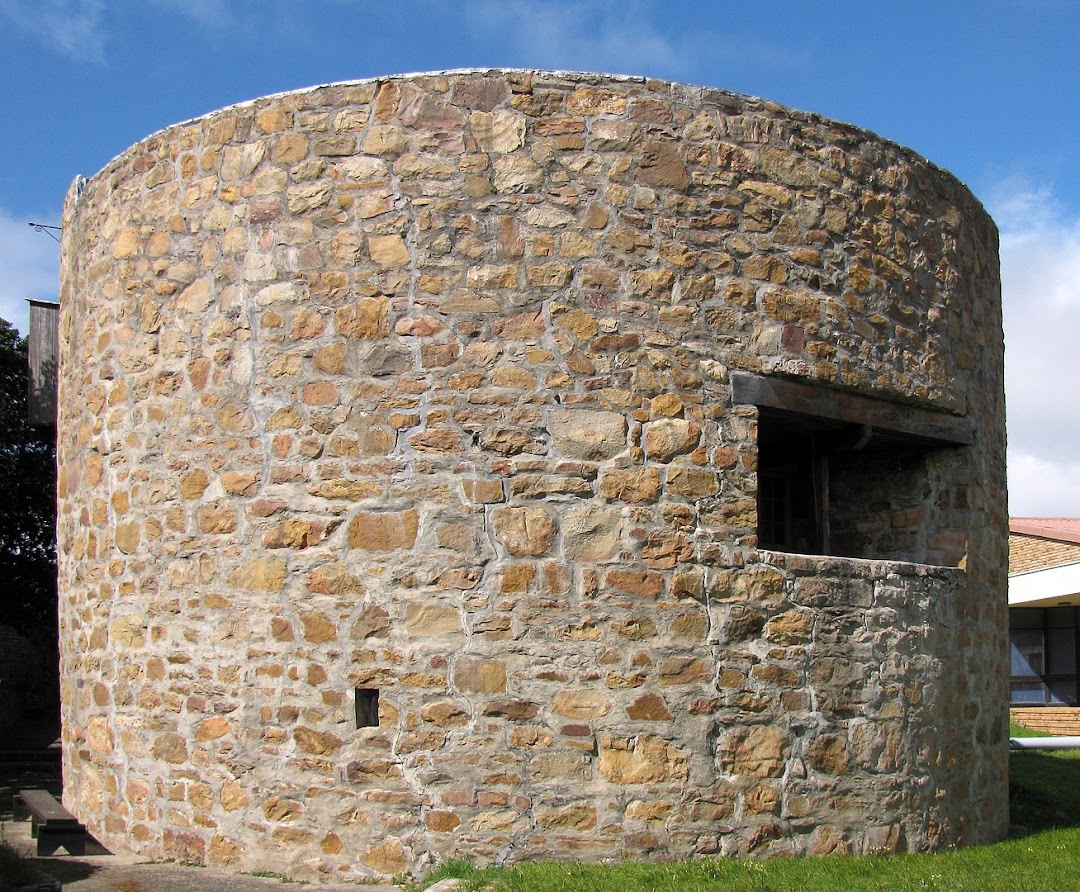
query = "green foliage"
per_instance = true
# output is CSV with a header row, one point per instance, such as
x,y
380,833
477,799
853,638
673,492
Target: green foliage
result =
x,y
27,501
15,870
1043,854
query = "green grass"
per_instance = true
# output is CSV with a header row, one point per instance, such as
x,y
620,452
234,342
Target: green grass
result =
x,y
1043,855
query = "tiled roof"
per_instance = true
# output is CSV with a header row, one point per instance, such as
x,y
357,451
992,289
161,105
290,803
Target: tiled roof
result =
x,y
1063,529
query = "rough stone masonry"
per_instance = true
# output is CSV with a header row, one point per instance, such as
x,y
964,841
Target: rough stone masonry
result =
x,y
407,511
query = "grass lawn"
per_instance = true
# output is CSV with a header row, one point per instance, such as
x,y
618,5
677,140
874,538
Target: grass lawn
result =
x,y
1043,855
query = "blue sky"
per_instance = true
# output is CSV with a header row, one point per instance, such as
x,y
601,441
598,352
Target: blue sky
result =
x,y
988,90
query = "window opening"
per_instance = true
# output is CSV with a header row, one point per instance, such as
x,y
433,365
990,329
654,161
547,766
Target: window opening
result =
x,y
367,707
852,476
1042,651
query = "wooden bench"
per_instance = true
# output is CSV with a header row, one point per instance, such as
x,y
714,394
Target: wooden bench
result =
x,y
51,824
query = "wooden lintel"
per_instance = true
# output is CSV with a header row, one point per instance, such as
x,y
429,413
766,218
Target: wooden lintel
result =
x,y
806,399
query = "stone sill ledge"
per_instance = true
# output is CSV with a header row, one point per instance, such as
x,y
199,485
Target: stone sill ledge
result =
x,y
856,567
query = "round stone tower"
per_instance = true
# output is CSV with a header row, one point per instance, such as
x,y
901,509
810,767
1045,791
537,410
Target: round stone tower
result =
x,y
502,464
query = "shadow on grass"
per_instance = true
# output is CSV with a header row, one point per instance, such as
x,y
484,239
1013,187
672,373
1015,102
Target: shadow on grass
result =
x,y
1044,790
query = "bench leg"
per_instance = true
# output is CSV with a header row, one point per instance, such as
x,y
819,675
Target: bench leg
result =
x,y
48,841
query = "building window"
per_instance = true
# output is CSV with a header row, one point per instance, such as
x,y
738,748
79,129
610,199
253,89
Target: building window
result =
x,y
1043,646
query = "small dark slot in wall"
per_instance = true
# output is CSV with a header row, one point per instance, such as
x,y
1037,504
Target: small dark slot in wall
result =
x,y
367,707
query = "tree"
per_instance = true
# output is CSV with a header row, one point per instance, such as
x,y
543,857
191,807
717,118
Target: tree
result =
x,y
27,501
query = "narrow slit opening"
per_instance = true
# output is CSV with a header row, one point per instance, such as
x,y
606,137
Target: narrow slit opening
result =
x,y
367,707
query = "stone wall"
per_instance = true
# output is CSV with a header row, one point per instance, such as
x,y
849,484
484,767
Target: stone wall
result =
x,y
421,386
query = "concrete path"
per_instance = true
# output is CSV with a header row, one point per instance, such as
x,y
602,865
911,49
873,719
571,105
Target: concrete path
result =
x,y
122,873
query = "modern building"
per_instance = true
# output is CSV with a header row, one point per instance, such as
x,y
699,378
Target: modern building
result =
x,y
1044,596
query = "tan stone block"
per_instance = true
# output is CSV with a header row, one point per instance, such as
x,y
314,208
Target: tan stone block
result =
x,y
350,490
583,324
589,434
760,751
318,627
479,675
630,485
436,440
170,748
233,796
483,492
316,743
372,622
529,327
296,533
388,250
662,166
383,531
215,518
127,537
636,582
572,817
669,437
754,583
212,728
791,627
240,483
432,619
128,631
828,754
511,441
99,736
441,821
365,320
333,579
666,404
509,376
792,306
596,101
636,628
239,162
260,575
693,483
517,173
649,708
445,714
592,533
500,131
684,670
581,705
524,531
553,274
662,551
287,418
272,120
563,765
127,243
531,486
643,759
787,167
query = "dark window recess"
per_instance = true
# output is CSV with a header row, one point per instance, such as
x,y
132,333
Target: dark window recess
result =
x,y
1042,649
852,476
367,707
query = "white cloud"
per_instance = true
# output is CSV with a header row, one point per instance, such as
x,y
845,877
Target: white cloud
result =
x,y
1040,269
72,28
621,37
29,267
